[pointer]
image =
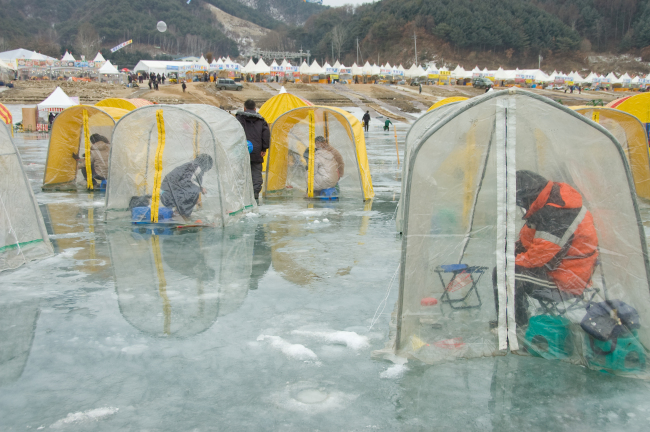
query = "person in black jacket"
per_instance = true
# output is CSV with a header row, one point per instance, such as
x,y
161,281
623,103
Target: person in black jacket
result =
x,y
366,120
258,133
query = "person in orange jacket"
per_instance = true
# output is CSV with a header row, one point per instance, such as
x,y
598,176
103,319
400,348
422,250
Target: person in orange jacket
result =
x,y
557,248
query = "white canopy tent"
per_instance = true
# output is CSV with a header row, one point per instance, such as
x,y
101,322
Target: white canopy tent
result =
x,y
99,58
21,53
108,69
56,102
356,70
367,69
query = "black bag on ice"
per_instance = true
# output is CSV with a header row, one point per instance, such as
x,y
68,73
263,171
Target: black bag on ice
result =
x,y
610,319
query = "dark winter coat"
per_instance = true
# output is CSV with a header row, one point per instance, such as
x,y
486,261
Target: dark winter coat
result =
x,y
366,118
257,132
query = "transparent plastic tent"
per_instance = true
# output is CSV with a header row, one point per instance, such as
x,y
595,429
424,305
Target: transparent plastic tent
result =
x,y
631,135
462,221
152,141
413,136
23,236
293,142
69,136
178,285
446,101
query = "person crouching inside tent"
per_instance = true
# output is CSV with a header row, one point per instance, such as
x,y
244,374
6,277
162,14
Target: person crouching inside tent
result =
x,y
182,187
557,248
99,153
329,166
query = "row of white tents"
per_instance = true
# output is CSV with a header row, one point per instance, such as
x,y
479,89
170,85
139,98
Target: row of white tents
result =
x,y
459,73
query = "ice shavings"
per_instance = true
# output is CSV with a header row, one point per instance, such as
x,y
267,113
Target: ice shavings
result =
x,y
350,339
83,417
294,351
393,372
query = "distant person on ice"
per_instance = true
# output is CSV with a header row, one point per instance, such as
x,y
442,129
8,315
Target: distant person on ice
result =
x,y
182,187
258,133
366,120
183,86
387,124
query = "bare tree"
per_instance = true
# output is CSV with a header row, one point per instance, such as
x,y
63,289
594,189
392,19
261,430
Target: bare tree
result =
x,y
339,36
87,41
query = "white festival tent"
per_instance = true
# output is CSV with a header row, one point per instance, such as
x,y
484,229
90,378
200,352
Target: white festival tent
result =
x,y
367,69
56,102
356,70
20,53
108,69
99,58
5,65
262,68
411,72
376,70
315,69
67,57
458,73
160,66
419,72
304,68
250,67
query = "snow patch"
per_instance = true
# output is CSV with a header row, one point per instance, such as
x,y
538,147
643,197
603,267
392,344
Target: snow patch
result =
x,y
393,372
86,416
135,349
350,339
294,351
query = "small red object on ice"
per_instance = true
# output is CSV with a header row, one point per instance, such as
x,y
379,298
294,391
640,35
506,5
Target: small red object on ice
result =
x,y
429,301
199,221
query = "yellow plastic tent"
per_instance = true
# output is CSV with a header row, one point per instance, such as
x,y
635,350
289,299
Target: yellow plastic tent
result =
x,y
445,101
69,136
631,134
280,104
126,104
293,137
638,106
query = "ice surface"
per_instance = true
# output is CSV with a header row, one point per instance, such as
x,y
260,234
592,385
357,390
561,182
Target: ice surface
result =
x,y
162,330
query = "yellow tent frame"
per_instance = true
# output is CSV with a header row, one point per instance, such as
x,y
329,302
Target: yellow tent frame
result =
x,y
277,169
65,139
638,106
631,134
445,101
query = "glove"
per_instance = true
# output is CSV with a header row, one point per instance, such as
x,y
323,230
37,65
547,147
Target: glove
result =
x,y
250,146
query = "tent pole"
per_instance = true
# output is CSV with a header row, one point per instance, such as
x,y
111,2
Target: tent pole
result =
x,y
396,146
478,190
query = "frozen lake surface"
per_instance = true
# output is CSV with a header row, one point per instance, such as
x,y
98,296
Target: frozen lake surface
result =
x,y
266,325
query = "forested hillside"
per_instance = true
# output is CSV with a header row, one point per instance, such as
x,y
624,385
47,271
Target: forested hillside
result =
x,y
83,26
513,29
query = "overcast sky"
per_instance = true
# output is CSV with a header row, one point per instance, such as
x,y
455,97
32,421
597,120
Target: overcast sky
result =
x,y
336,3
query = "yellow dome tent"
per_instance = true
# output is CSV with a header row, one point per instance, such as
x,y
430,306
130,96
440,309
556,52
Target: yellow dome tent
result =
x,y
68,137
127,104
294,133
280,104
445,101
638,106
631,134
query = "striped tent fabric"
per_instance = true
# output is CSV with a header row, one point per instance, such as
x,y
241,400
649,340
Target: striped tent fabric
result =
x,y
5,115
